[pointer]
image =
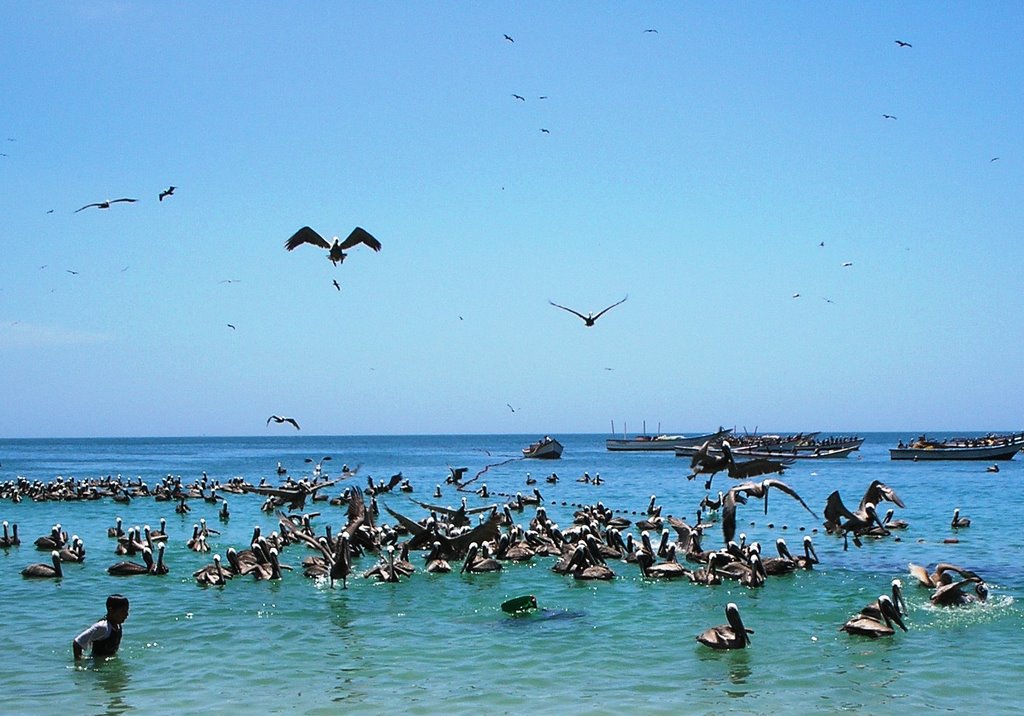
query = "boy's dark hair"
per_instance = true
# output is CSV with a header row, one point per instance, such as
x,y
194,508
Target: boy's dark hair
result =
x,y
116,601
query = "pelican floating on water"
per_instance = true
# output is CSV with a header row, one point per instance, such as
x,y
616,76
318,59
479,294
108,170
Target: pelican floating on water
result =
x,y
727,636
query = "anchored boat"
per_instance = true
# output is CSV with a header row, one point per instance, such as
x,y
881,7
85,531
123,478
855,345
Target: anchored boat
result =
x,y
990,447
547,448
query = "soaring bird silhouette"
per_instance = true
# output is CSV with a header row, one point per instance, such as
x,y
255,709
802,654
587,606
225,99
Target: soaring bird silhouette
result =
x,y
888,116
106,204
901,43
590,318
166,192
336,249
336,284
519,97
509,38
283,419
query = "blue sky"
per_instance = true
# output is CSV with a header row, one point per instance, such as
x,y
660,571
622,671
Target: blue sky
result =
x,y
697,169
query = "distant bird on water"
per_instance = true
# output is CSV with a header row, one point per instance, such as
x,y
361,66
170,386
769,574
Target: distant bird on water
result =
x,y
166,192
590,318
336,249
283,419
106,204
901,43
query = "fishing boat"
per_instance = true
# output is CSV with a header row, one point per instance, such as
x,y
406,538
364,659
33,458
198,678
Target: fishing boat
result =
x,y
990,447
663,442
792,454
547,448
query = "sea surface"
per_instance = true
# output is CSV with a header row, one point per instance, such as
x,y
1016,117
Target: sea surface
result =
x,y
440,643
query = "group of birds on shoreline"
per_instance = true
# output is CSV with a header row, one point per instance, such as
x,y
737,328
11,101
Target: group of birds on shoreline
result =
x,y
597,539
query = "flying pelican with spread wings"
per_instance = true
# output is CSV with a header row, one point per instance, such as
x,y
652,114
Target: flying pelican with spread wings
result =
x,y
282,418
590,318
106,204
335,248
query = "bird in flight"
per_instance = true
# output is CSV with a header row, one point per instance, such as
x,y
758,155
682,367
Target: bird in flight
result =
x,y
888,116
847,263
231,326
336,284
509,38
546,131
796,295
993,159
230,280
901,43
651,30
167,192
827,300
283,419
590,318
510,407
73,273
106,204
519,97
336,250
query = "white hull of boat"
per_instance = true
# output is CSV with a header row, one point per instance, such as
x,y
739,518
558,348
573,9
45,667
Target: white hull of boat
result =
x,y
665,443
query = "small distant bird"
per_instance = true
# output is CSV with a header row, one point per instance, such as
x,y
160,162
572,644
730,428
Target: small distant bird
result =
x,y
51,210
167,192
590,318
650,30
336,284
509,38
993,159
283,419
336,250
848,263
519,97
73,273
546,131
827,300
822,243
510,407
543,97
888,116
231,326
901,43
230,280
106,204
796,295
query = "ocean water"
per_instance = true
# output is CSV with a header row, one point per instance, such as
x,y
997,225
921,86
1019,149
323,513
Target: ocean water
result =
x,y
440,643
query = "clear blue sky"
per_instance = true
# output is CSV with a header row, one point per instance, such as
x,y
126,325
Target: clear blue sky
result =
x,y
696,169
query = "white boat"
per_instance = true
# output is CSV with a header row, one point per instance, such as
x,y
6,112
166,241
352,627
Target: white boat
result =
x,y
663,442
547,448
990,447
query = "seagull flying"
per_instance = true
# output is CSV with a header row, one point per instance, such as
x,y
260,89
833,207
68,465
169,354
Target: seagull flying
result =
x,y
283,419
888,116
336,250
106,204
519,97
167,192
509,38
901,43
590,318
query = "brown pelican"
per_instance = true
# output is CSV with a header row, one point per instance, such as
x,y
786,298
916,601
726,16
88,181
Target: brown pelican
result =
x,y
435,564
669,569
874,610
809,558
105,204
283,419
752,489
131,569
10,540
336,249
75,553
166,193
159,568
212,575
865,624
159,535
590,318
952,595
940,576
55,540
704,463
959,522
475,562
727,636
44,571
116,530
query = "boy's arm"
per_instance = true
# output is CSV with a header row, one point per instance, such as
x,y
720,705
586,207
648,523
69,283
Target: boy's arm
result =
x,y
76,649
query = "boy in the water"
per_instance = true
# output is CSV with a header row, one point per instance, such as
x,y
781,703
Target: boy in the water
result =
x,y
105,635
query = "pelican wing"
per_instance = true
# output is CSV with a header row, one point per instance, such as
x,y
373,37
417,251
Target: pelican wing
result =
x,y
565,308
438,508
306,235
758,466
780,485
729,515
835,509
485,532
878,491
965,573
295,531
414,528
605,310
118,201
920,574
87,206
358,236
478,510
273,491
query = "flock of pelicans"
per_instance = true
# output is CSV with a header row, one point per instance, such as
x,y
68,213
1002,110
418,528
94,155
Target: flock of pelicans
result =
x,y
484,539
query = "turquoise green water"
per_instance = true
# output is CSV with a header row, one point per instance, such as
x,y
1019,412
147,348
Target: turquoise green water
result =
x,y
441,643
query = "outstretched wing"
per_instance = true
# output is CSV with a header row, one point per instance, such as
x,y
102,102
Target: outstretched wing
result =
x,y
758,466
610,307
780,485
86,207
306,235
565,308
414,528
878,491
293,422
118,201
287,525
437,508
360,235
